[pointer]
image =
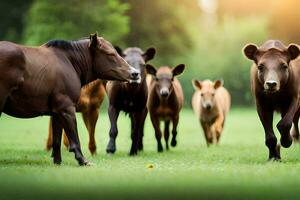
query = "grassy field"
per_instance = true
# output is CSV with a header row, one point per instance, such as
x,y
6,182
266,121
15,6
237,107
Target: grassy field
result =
x,y
236,169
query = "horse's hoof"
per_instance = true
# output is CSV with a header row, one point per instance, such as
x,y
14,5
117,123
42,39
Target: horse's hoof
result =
x,y
286,142
160,149
86,163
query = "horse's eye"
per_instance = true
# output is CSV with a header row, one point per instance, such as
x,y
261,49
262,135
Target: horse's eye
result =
x,y
212,94
156,79
261,67
202,94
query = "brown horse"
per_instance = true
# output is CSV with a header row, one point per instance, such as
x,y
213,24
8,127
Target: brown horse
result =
x,y
46,80
165,101
130,98
91,98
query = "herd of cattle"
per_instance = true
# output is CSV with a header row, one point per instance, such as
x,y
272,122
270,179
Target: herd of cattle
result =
x,y
61,77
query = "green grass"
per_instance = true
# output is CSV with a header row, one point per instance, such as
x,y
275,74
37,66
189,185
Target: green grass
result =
x,y
235,169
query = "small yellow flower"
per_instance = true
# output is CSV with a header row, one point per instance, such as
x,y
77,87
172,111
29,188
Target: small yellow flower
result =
x,y
150,166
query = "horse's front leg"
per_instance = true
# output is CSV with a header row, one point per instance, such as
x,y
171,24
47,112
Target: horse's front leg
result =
x,y
285,124
68,118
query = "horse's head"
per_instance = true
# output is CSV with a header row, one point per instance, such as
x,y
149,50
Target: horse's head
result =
x,y
108,64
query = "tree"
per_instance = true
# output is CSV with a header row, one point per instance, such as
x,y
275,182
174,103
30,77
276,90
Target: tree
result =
x,y
73,19
12,14
166,25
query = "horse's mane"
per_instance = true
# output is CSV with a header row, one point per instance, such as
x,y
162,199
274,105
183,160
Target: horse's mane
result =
x,y
62,44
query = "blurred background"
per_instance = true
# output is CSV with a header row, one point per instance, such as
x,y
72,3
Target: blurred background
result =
x,y
206,35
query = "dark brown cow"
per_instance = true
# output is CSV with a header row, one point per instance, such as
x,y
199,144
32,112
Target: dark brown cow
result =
x,y
90,100
131,98
275,81
165,101
46,80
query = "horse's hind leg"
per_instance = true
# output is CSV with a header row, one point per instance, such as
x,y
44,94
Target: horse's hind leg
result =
x,y
56,142
68,118
3,96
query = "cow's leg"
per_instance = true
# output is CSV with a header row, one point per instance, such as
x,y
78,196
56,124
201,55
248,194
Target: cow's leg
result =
x,y
167,133
295,130
156,126
266,118
285,124
113,117
174,130
141,135
90,119
56,131
207,133
136,118
50,136
67,116
218,127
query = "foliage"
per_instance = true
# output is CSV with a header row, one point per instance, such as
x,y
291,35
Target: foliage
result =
x,y
12,15
73,19
219,56
166,25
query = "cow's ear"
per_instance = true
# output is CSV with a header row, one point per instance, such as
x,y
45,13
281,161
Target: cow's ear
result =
x,y
178,69
197,84
93,40
293,51
218,83
149,54
119,51
150,69
250,51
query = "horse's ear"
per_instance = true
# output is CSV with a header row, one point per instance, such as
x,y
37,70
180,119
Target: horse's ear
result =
x,y
93,40
149,54
119,51
150,69
178,69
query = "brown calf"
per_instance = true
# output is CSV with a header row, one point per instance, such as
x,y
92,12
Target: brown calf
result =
x,y
211,103
165,101
91,98
275,81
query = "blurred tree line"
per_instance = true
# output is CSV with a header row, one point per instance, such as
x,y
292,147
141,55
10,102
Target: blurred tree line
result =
x,y
209,43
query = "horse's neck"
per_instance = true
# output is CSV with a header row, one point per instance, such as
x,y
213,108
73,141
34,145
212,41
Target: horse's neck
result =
x,y
82,61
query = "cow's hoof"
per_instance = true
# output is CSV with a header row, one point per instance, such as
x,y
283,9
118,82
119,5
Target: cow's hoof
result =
x,y
57,161
173,143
